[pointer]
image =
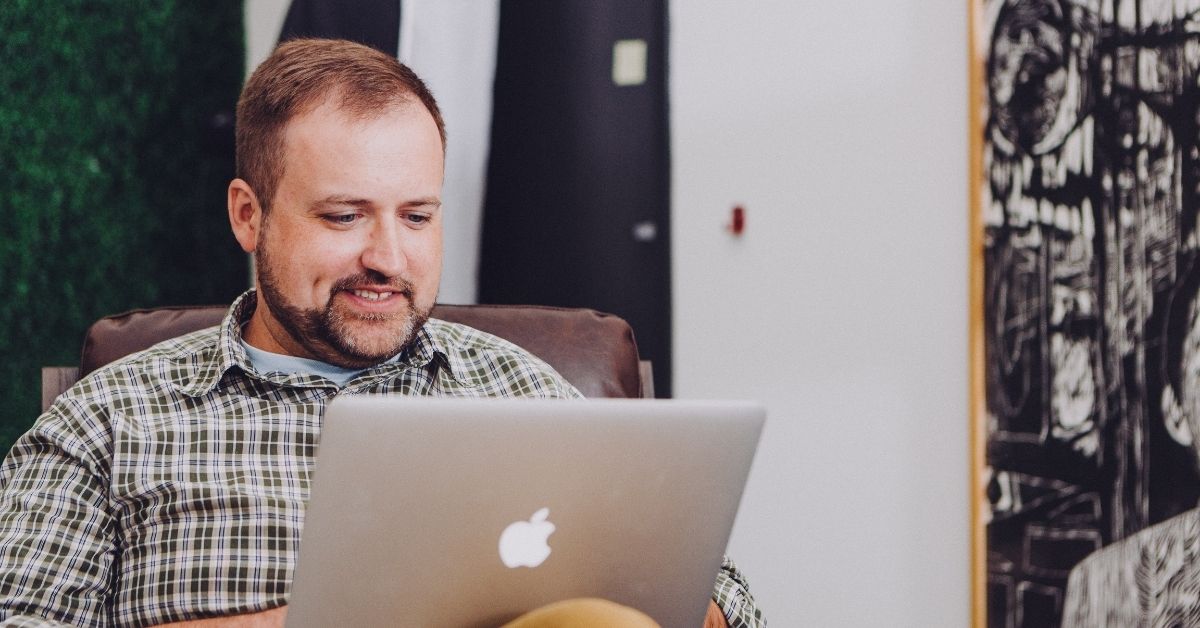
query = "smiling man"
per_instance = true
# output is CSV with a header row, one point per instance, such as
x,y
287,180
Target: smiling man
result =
x,y
361,194
170,486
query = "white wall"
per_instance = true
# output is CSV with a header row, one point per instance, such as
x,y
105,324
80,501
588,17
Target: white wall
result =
x,y
842,129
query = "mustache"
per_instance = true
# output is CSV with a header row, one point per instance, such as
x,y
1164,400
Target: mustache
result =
x,y
396,284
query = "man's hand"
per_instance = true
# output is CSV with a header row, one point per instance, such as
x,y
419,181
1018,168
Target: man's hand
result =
x,y
715,618
274,619
265,619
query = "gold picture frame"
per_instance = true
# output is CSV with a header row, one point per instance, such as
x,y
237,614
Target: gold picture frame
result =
x,y
977,432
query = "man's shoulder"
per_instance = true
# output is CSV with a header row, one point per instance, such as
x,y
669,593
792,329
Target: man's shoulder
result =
x,y
1106,586
1171,541
180,350
459,337
496,365
80,419
175,359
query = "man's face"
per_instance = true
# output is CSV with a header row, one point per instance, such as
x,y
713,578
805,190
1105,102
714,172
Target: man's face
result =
x,y
1189,375
349,254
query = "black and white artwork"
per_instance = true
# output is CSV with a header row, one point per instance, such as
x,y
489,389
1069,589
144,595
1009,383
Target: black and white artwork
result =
x,y
1088,204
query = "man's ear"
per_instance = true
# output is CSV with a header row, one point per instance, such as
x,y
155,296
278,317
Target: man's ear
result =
x,y
245,214
1174,418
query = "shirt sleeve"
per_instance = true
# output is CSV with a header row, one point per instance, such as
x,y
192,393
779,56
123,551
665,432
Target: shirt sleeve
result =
x,y
732,595
30,621
56,545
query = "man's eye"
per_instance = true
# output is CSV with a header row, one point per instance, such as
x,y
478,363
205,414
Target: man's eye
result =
x,y
340,219
417,219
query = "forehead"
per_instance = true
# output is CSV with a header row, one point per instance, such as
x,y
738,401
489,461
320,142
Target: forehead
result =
x,y
400,141
333,117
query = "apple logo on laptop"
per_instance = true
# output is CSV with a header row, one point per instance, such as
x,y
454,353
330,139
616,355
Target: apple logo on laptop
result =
x,y
523,543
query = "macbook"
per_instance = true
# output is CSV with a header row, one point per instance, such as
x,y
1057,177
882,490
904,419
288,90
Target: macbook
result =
x,y
432,512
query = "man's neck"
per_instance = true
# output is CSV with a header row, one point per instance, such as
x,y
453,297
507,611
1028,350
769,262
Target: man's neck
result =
x,y
265,361
263,332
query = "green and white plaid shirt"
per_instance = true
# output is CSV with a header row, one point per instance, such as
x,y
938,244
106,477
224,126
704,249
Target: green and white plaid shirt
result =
x,y
171,484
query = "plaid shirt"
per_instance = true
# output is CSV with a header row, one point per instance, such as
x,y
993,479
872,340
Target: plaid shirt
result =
x,y
171,484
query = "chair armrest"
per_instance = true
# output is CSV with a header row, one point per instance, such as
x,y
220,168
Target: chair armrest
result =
x,y
646,374
55,381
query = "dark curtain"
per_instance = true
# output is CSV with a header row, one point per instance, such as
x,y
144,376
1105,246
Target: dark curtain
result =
x,y
577,203
375,23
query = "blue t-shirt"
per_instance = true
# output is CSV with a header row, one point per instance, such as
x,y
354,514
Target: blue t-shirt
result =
x,y
267,362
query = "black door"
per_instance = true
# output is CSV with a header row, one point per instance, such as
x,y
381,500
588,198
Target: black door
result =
x,y
578,202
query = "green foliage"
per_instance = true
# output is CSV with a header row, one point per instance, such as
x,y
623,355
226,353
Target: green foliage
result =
x,y
116,146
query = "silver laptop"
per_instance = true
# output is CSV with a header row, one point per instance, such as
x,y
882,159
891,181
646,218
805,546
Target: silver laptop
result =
x,y
428,512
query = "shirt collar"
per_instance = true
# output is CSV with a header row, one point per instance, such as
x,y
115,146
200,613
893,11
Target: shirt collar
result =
x,y
229,351
425,349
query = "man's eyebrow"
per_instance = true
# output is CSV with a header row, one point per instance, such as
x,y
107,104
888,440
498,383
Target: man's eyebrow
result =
x,y
429,201
342,200
339,199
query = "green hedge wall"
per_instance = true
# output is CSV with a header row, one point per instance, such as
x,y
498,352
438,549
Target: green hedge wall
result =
x,y
116,145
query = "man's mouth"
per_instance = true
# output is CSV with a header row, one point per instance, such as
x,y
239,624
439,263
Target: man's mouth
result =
x,y
369,288
370,295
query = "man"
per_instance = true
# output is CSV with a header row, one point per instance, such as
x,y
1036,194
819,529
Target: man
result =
x,y
170,485
1152,578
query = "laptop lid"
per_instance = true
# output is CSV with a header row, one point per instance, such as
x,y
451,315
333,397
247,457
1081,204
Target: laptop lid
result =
x,y
433,512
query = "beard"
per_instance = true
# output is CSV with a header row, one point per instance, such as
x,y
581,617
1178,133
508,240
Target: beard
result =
x,y
335,334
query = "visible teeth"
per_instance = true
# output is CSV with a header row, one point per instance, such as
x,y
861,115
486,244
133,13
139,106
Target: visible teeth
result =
x,y
374,296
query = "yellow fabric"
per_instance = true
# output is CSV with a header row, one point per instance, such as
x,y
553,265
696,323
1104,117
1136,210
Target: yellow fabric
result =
x,y
588,612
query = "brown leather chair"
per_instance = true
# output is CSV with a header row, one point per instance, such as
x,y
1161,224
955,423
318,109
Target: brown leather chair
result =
x,y
594,351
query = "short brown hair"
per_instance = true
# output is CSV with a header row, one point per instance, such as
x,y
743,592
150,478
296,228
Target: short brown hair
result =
x,y
297,78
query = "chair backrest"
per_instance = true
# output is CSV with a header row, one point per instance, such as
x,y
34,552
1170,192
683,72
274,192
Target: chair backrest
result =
x,y
594,351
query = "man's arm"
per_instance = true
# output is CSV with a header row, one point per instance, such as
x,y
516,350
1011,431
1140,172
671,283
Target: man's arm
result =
x,y
732,596
273,618
56,547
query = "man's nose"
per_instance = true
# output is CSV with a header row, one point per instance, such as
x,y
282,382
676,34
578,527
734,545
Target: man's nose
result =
x,y
384,250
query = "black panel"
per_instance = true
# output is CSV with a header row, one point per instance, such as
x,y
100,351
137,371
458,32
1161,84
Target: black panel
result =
x,y
375,23
576,163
